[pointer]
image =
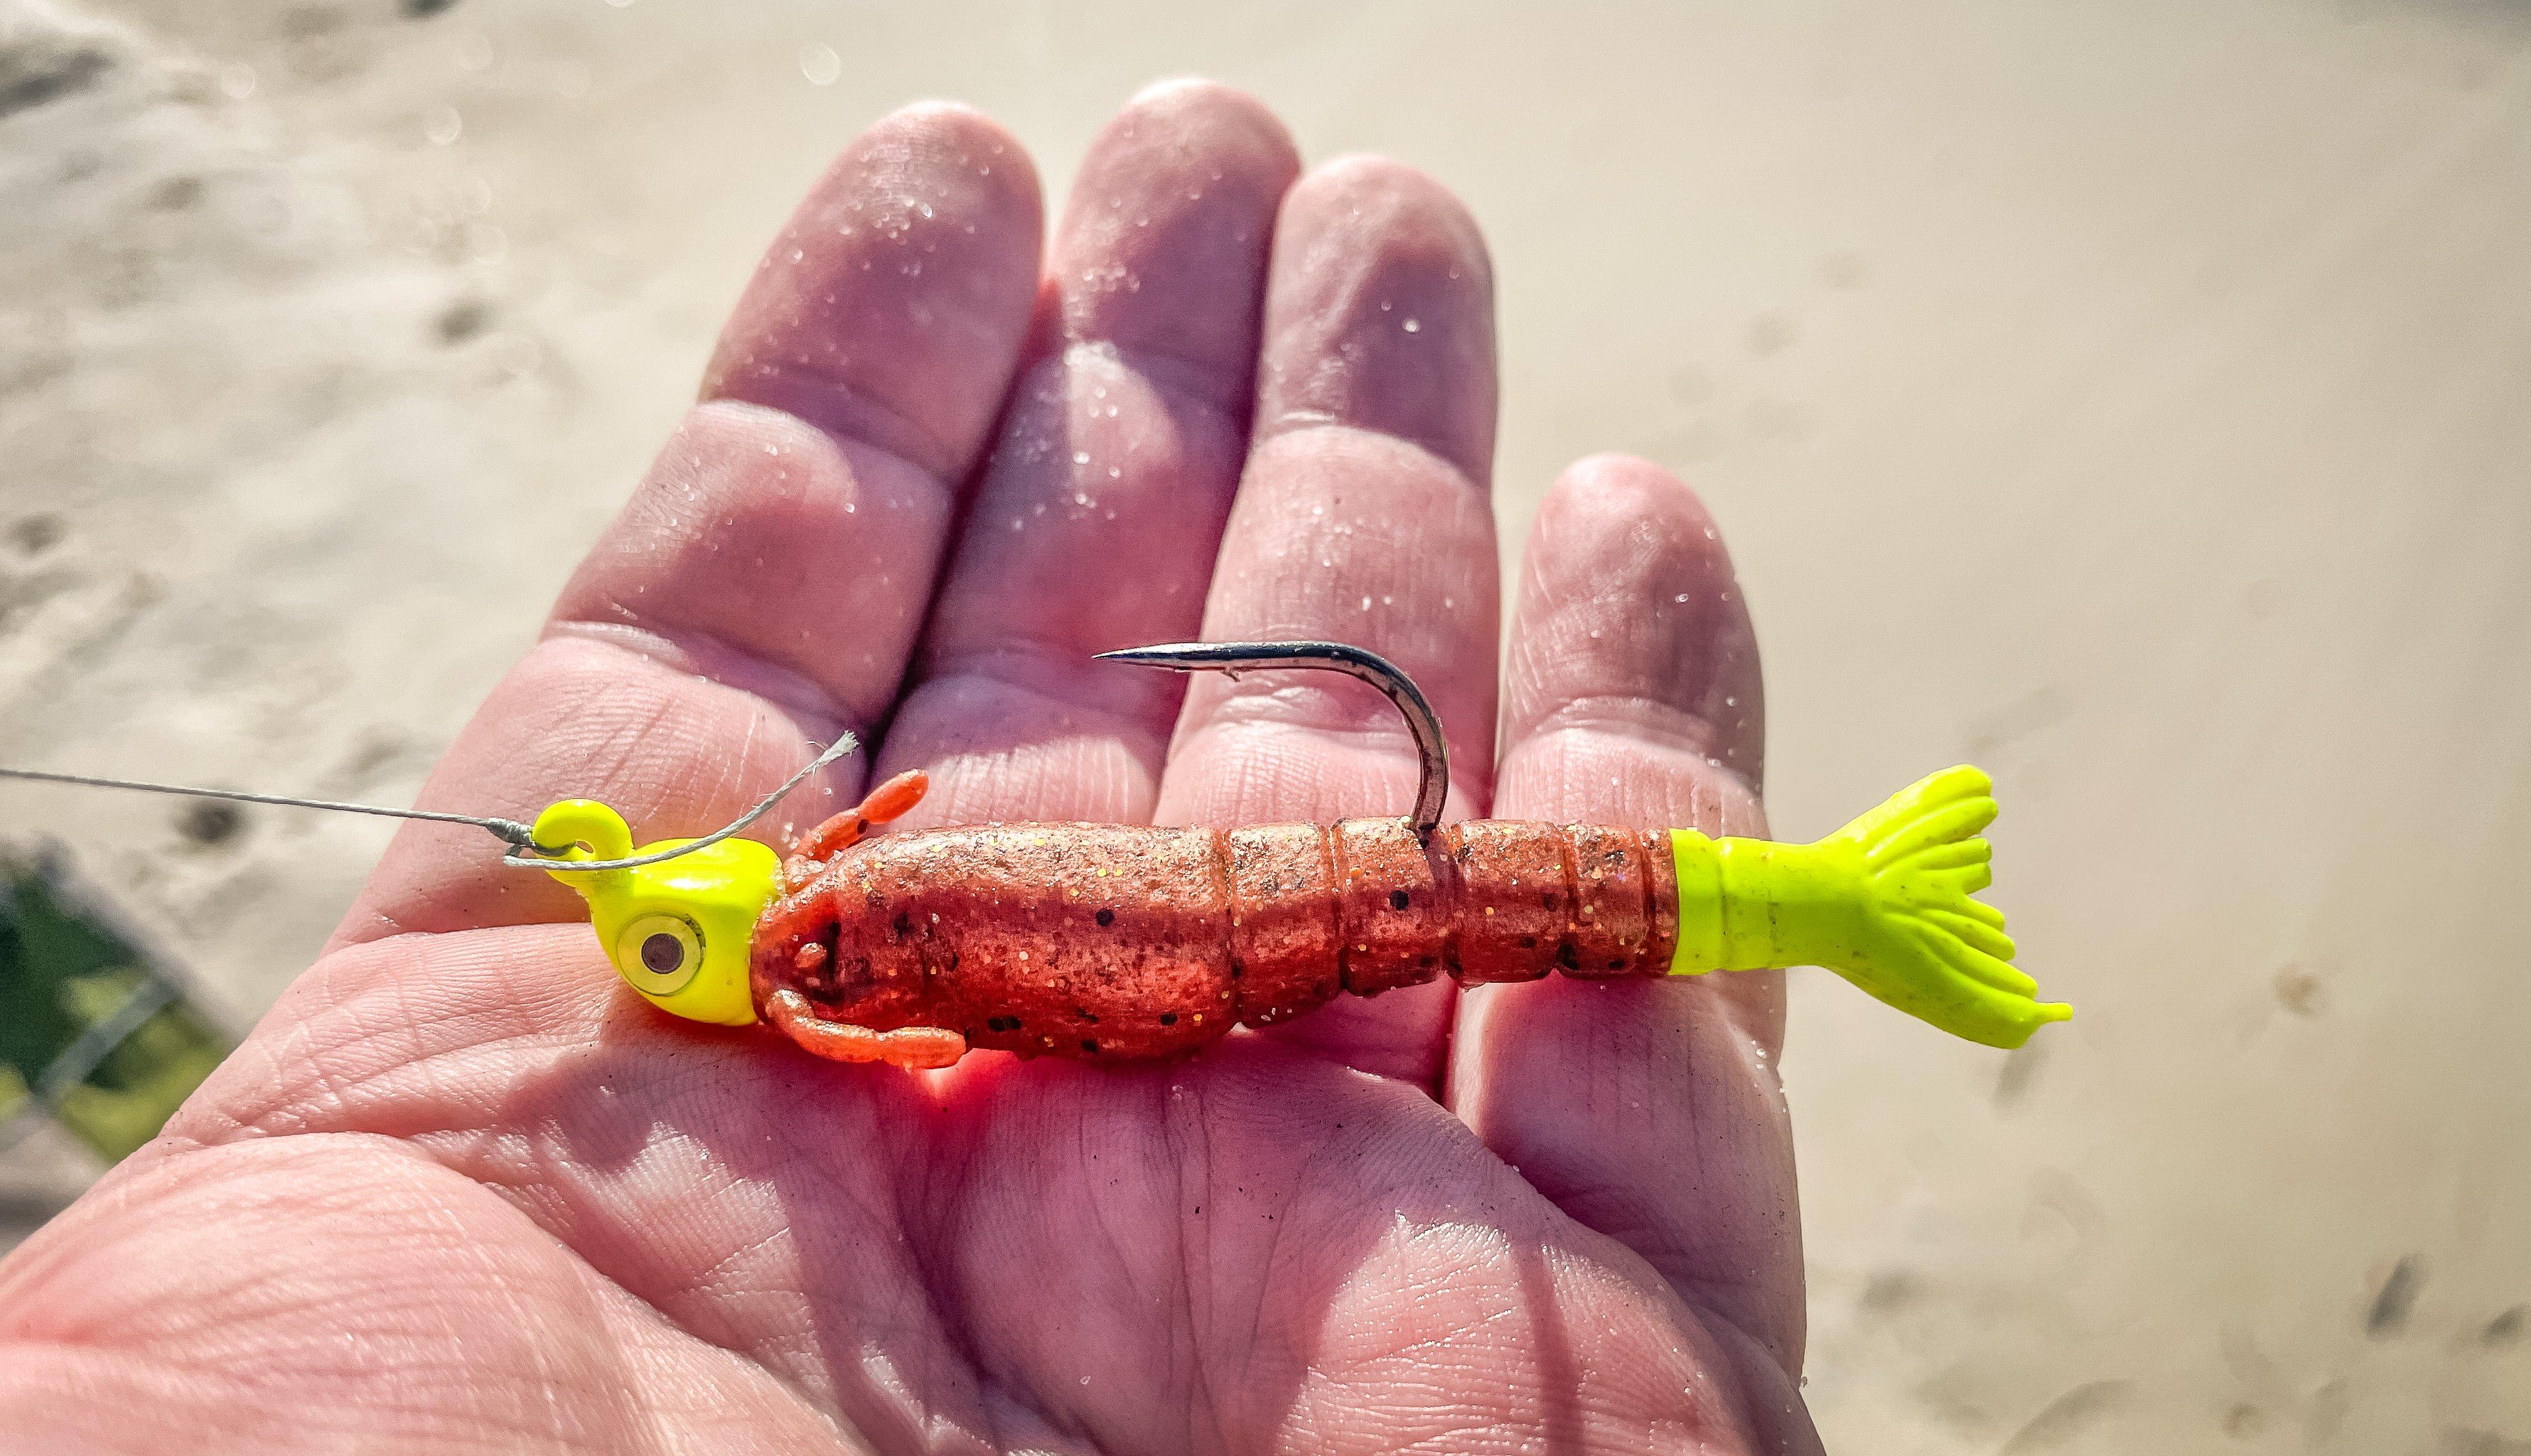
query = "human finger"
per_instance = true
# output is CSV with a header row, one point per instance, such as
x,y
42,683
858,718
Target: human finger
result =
x,y
1649,1110
1096,524
1363,517
762,588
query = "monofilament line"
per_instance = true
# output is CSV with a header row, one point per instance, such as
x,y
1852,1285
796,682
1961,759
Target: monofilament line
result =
x,y
533,856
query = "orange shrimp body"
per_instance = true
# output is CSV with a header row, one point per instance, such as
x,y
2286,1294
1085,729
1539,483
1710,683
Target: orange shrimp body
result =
x,y
1113,942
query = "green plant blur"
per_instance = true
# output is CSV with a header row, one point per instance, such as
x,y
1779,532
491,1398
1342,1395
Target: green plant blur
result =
x,y
60,975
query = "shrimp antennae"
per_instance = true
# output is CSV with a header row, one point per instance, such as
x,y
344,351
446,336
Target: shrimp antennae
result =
x,y
1431,747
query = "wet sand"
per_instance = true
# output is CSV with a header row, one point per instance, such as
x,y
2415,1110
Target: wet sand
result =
x,y
2129,397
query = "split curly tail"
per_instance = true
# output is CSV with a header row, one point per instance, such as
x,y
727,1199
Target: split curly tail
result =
x,y
1885,901
1928,947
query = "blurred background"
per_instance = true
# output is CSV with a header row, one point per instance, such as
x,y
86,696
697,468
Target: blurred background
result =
x,y
2132,396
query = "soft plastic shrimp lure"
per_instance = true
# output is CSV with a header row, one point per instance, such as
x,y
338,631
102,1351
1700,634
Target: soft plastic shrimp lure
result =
x,y
1110,942
1113,942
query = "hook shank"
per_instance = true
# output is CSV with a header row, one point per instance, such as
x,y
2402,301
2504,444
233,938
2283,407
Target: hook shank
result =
x,y
1431,749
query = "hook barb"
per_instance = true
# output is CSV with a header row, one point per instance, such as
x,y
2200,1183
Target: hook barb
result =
x,y
1432,750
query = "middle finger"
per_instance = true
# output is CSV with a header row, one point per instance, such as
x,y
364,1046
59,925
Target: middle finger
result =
x,y
1097,520
1363,518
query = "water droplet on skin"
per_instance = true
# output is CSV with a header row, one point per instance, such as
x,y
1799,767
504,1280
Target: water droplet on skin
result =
x,y
1366,604
1412,326
1079,456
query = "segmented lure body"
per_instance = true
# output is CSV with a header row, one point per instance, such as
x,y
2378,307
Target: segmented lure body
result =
x,y
1113,942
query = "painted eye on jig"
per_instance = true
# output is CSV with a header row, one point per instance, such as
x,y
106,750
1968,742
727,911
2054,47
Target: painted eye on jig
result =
x,y
1120,942
660,953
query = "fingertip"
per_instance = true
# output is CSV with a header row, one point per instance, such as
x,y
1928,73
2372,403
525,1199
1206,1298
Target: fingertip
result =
x,y
1165,240
1223,109
1169,87
1630,606
1411,200
892,306
966,146
1380,313
1600,492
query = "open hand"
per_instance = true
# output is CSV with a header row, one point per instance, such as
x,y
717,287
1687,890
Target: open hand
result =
x,y
462,1191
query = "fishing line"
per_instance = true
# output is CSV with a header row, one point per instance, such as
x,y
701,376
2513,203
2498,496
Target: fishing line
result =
x,y
521,837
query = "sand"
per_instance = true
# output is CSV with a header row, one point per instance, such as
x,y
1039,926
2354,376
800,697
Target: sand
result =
x,y
2129,396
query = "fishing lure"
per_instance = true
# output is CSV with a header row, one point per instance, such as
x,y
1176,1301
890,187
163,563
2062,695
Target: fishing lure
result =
x,y
1113,942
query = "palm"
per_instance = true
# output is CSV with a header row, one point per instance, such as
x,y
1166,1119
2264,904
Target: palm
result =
x,y
460,1191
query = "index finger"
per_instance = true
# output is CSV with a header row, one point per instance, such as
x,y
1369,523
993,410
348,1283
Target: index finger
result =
x,y
762,588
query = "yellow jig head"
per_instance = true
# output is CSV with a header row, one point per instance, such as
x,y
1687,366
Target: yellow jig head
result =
x,y
676,930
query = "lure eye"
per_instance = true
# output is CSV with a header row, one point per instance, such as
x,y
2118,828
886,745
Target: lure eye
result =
x,y
659,953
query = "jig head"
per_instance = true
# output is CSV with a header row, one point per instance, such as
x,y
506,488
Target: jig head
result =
x,y
674,918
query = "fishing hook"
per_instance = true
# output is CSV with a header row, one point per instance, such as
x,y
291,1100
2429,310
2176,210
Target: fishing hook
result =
x,y
1432,750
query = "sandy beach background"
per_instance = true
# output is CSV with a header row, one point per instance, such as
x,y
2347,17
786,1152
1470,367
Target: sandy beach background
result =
x,y
2133,396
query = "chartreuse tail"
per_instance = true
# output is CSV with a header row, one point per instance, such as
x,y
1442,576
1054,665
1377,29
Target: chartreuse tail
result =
x,y
1883,902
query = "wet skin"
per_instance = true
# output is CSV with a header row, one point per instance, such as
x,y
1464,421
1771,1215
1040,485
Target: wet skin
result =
x,y
464,1190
